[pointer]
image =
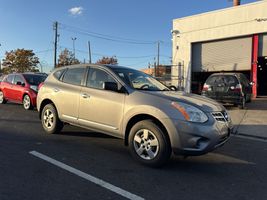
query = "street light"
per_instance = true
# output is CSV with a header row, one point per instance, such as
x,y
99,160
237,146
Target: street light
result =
x,y
73,43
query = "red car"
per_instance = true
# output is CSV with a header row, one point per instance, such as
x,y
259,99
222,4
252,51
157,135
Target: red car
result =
x,y
21,88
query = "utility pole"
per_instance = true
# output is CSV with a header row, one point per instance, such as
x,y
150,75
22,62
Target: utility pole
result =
x,y
157,69
73,43
89,52
55,27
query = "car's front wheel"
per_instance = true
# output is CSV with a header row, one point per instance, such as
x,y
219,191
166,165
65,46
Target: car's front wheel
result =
x,y
2,98
27,102
50,121
148,144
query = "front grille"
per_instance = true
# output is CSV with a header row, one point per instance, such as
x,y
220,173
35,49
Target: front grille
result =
x,y
221,116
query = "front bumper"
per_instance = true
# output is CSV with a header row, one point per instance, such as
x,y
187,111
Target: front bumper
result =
x,y
198,139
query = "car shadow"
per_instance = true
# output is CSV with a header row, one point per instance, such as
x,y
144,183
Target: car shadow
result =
x,y
69,130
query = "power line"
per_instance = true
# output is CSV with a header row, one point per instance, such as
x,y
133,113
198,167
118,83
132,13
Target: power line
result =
x,y
104,36
121,57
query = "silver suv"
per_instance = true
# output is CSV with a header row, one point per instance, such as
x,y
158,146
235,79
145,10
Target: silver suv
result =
x,y
153,120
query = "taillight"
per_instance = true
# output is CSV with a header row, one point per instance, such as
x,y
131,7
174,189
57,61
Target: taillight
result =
x,y
237,88
206,87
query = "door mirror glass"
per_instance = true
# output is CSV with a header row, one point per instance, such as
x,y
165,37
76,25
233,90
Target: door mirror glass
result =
x,y
20,83
112,86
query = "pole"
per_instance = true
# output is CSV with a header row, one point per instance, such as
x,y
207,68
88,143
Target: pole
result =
x,y
55,26
157,68
73,43
89,52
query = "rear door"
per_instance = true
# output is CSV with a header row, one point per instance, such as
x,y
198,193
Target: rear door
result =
x,y
67,93
99,108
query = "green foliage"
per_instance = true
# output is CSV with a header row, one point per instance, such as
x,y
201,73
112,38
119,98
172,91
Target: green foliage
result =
x,y
20,60
108,60
66,57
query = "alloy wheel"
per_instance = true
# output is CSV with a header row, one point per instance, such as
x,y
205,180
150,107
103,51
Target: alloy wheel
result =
x,y
26,102
1,97
146,144
48,119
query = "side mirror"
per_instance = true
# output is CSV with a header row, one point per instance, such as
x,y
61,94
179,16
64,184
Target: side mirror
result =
x,y
111,86
20,83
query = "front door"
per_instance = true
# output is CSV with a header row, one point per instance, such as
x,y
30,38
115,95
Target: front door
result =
x,y
99,108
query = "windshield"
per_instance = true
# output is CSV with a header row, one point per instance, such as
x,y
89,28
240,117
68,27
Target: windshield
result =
x,y
222,79
34,79
139,80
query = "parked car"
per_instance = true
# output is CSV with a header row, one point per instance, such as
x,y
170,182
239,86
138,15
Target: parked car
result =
x,y
153,120
21,88
233,88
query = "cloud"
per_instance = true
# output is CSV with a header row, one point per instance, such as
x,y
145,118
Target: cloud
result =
x,y
76,10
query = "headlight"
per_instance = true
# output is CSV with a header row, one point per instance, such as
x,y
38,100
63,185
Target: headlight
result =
x,y
190,113
34,87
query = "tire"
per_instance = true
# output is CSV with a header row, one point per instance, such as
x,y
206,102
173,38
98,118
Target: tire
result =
x,y
243,103
27,104
173,88
148,144
2,98
50,121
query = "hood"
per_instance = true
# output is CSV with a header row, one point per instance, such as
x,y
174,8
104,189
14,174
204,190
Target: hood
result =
x,y
204,103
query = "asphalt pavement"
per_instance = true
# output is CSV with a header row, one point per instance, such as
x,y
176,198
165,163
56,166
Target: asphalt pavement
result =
x,y
79,164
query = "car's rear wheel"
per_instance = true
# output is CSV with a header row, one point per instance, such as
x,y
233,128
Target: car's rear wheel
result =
x,y
27,102
2,98
148,144
50,121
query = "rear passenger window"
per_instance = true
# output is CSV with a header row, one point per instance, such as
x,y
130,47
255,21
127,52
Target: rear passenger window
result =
x,y
10,78
74,76
58,74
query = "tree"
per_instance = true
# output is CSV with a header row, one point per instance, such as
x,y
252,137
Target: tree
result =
x,y
108,60
66,57
20,60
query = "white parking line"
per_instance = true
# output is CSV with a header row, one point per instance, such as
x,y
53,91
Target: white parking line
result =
x,y
88,177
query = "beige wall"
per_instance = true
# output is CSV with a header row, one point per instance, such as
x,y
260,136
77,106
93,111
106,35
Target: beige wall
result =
x,y
226,23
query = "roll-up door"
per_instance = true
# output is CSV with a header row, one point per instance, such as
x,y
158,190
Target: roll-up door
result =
x,y
223,55
263,45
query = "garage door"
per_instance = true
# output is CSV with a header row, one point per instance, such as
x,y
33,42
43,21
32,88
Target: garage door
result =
x,y
223,55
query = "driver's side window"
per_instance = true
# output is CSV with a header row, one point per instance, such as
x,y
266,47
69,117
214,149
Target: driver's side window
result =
x,y
18,79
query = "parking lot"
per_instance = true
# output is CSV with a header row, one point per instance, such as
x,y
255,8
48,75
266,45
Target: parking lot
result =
x,y
78,164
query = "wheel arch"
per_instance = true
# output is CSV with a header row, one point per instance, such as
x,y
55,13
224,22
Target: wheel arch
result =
x,y
141,117
43,104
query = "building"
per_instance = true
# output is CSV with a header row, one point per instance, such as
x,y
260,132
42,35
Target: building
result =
x,y
231,39
162,73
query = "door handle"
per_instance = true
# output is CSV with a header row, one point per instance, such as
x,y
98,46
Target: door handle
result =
x,y
84,95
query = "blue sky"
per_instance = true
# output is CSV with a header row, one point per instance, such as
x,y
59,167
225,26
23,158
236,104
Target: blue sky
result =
x,y
29,24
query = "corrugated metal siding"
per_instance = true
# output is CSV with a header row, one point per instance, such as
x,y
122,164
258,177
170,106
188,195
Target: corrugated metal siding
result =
x,y
227,55
263,45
